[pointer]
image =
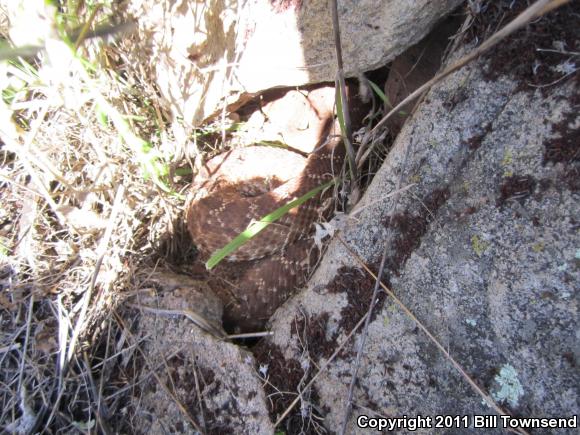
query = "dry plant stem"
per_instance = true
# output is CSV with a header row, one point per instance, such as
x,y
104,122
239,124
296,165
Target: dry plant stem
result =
x,y
198,320
64,325
343,98
364,335
101,403
353,213
434,340
97,398
199,397
44,163
319,372
26,340
85,28
20,186
10,348
539,8
250,335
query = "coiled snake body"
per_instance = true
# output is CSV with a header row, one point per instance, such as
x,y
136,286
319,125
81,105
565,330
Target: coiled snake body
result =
x,y
242,186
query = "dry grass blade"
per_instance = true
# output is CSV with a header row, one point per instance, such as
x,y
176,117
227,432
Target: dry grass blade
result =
x,y
250,335
199,396
539,8
67,352
26,341
434,340
10,348
96,395
191,315
358,210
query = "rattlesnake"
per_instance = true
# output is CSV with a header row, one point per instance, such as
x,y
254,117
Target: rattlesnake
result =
x,y
245,184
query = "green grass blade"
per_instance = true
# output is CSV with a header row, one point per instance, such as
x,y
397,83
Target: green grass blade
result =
x,y
340,113
383,97
255,227
273,144
13,53
183,171
380,93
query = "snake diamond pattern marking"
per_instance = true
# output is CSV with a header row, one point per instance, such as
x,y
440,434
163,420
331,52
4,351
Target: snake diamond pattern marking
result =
x,y
245,184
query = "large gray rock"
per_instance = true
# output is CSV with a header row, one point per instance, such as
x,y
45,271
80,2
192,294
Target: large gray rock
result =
x,y
206,54
484,250
183,374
